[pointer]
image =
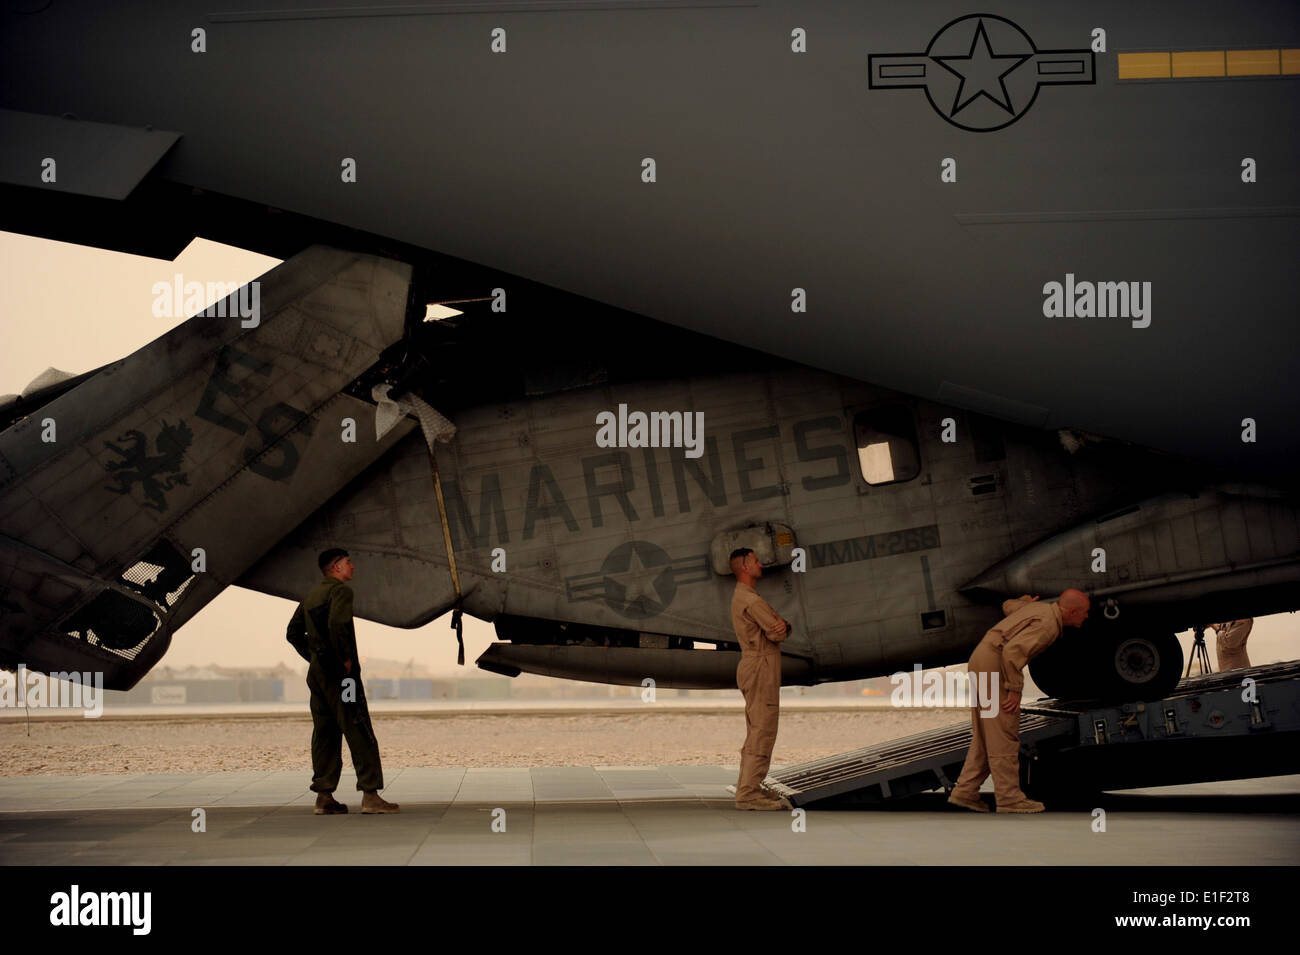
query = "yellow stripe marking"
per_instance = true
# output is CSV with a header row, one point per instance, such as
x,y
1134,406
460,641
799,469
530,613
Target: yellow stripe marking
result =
x,y
1200,63
1187,64
1143,66
1253,63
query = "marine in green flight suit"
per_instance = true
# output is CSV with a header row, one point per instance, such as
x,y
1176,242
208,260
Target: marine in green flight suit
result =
x,y
321,632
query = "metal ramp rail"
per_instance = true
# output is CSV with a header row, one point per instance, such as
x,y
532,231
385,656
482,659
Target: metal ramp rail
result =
x,y
901,767
1127,745
1231,679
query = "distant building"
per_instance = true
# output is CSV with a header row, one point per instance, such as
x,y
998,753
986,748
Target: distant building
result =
x,y
171,686
414,682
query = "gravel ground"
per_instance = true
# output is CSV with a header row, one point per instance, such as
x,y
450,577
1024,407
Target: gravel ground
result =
x,y
565,739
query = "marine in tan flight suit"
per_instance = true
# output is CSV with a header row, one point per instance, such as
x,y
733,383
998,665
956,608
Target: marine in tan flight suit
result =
x,y
760,630
1230,643
1028,629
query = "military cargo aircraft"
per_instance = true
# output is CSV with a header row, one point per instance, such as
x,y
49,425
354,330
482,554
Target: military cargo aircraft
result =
x,y
828,288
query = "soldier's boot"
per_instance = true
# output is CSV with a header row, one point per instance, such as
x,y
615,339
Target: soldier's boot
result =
x,y
373,802
327,805
761,803
975,804
1025,805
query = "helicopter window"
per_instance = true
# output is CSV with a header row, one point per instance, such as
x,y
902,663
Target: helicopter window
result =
x,y
161,575
887,448
115,622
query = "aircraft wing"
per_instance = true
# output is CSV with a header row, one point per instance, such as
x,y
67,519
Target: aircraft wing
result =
x,y
388,521
119,496
818,182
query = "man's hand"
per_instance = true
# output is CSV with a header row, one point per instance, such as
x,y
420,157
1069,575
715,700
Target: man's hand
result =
x,y
1027,597
782,627
1012,702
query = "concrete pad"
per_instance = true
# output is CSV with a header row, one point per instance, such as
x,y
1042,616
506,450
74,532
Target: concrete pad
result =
x,y
613,815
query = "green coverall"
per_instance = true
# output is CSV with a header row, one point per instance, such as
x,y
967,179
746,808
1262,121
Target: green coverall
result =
x,y
321,631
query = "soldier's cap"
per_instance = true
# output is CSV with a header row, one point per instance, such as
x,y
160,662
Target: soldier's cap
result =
x,y
328,557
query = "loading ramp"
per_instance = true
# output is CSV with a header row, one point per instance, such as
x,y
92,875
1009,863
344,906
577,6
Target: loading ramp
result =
x,y
1215,726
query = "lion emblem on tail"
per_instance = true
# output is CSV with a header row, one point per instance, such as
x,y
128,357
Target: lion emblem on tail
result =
x,y
138,464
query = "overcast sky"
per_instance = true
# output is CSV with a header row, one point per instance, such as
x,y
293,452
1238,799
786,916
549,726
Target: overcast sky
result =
x,y
76,308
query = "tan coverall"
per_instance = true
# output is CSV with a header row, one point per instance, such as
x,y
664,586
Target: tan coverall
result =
x,y
1029,628
759,679
1230,644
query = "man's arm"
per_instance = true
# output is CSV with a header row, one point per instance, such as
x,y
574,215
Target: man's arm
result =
x,y
341,635
296,633
774,628
1015,603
